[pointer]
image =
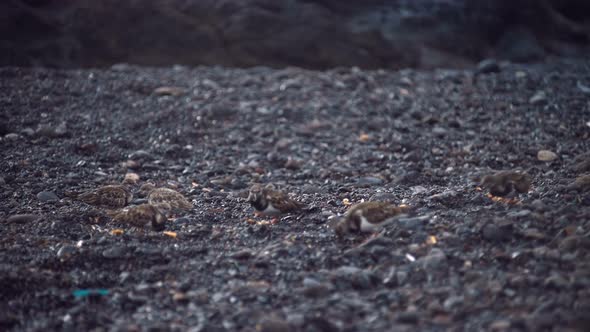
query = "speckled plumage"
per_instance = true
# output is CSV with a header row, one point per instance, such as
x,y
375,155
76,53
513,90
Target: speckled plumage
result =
x,y
268,201
368,217
504,182
140,216
165,199
111,196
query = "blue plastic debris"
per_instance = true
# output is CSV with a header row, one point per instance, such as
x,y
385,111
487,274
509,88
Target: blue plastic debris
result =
x,y
79,293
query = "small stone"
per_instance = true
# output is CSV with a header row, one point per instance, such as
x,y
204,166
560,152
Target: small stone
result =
x,y
413,223
11,136
500,325
538,205
439,131
533,233
131,178
242,254
293,164
435,258
384,197
47,196
140,154
408,317
315,289
22,218
492,232
368,181
546,155
28,132
169,91
273,325
538,98
114,252
66,252
488,66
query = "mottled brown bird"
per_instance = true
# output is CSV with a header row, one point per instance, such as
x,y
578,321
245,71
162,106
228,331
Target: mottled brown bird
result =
x,y
111,196
140,216
268,201
165,199
368,217
504,182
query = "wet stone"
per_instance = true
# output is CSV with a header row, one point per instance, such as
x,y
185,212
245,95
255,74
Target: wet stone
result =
x,y
22,218
47,196
116,251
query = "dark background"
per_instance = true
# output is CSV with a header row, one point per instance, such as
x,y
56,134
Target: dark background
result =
x,y
306,33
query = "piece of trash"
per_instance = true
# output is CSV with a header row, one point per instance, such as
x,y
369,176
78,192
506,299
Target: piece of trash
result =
x,y
410,258
117,231
170,234
79,293
364,138
346,202
431,239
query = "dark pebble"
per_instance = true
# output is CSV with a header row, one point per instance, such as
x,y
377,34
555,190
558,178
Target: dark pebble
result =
x,y
114,252
47,196
22,218
488,66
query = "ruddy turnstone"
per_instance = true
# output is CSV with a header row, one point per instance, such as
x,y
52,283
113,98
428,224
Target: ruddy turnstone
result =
x,y
503,183
271,202
141,215
368,217
165,199
111,196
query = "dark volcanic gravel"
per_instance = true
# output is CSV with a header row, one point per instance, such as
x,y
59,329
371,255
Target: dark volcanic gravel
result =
x,y
422,138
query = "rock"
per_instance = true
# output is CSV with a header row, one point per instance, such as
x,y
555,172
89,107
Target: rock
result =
x,y
413,223
49,131
11,136
116,251
384,197
538,205
495,233
369,181
488,66
435,258
140,155
47,196
23,218
315,289
538,98
28,132
66,251
408,317
242,254
273,325
500,325
546,155
533,233
439,131
169,91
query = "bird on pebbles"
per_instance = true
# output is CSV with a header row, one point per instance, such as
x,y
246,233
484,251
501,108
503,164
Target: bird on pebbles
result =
x,y
110,196
267,201
503,183
166,199
140,216
367,217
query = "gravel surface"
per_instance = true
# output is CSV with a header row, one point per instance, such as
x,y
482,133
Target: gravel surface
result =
x,y
460,261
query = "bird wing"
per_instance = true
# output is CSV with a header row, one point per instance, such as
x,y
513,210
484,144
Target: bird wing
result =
x,y
283,202
377,212
164,195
